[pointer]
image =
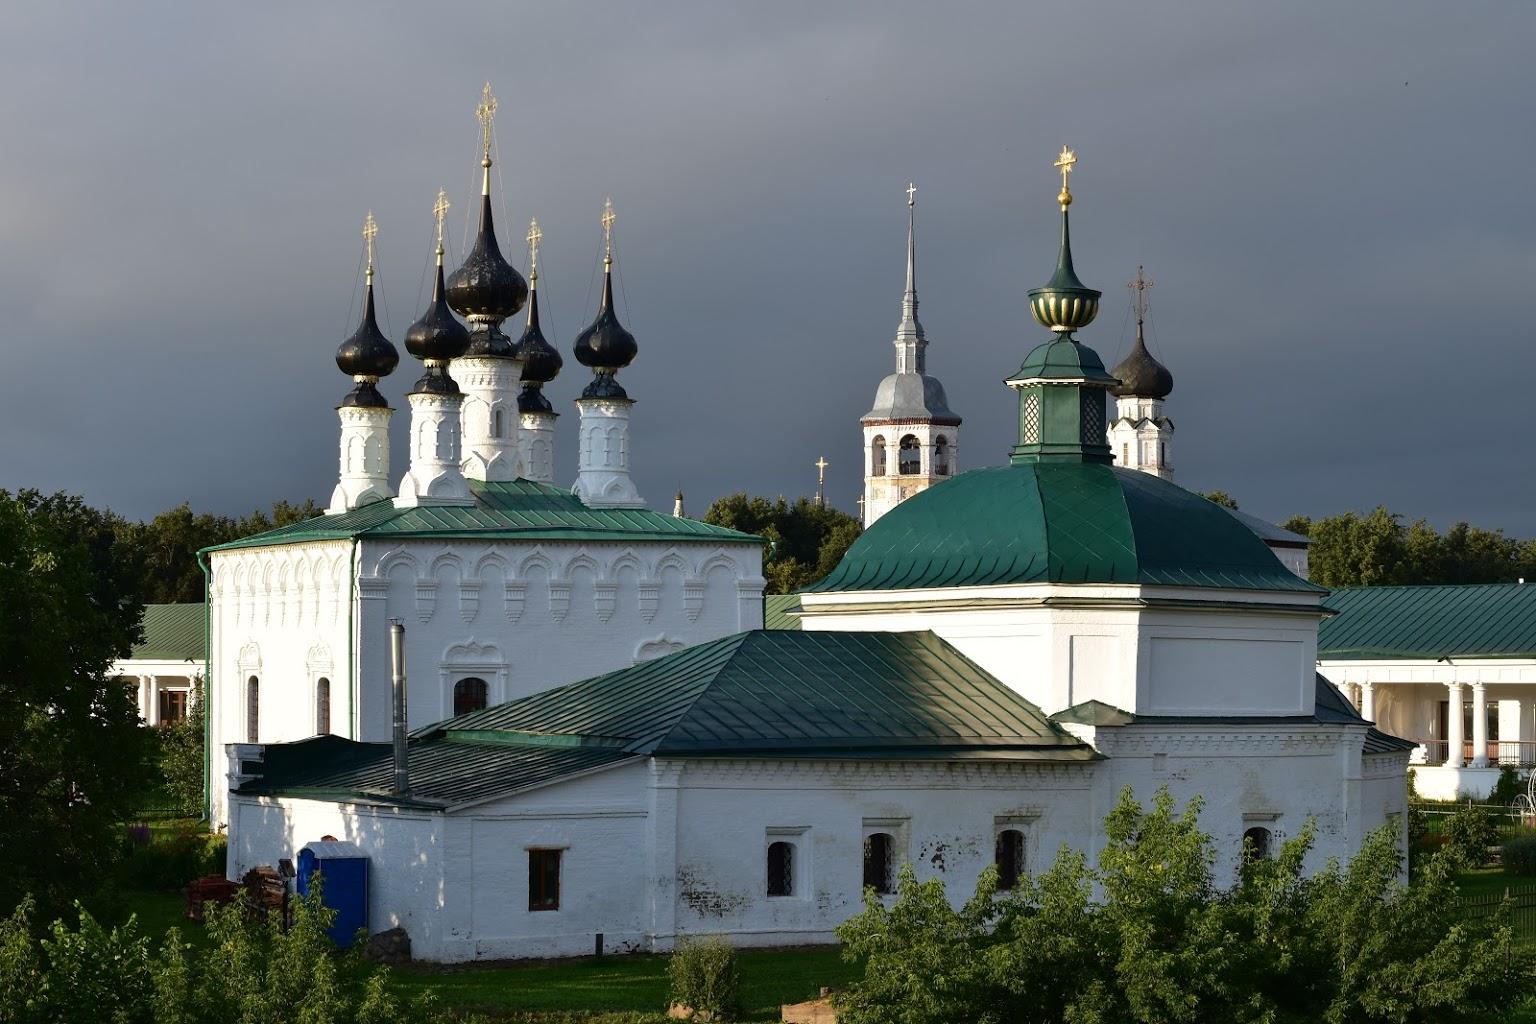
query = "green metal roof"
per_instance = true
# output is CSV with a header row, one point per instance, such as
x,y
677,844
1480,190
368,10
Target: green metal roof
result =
x,y
172,632
1058,522
766,693
512,510
791,693
1496,620
776,609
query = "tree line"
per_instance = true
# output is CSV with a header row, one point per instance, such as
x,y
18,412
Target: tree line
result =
x,y
1381,548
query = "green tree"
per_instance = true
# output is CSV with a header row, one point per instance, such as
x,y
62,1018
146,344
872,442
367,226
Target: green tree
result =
x,y
1221,498
168,544
1161,943
1353,550
73,756
805,540
181,755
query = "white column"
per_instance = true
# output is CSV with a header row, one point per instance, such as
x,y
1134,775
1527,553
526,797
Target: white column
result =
x,y
1453,735
489,419
1367,702
145,686
602,478
154,701
1510,731
1479,725
435,476
364,475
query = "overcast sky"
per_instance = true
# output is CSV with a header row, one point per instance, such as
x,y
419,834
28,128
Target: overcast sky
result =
x,y
1335,202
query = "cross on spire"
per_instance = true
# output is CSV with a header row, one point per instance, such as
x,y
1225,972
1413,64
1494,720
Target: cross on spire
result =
x,y
1065,163
535,236
439,211
486,113
911,194
608,218
370,230
821,465
1138,287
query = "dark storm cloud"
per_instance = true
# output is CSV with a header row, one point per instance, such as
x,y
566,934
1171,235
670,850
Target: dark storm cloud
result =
x,y
1334,201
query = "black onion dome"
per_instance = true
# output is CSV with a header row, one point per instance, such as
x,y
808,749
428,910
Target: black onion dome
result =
x,y
605,345
367,353
487,285
437,335
1140,375
541,360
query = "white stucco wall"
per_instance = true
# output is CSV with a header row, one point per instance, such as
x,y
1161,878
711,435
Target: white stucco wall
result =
x,y
522,616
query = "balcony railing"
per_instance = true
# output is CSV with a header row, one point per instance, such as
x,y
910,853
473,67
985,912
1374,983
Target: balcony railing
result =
x,y
1517,753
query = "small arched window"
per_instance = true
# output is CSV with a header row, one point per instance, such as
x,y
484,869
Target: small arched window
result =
x,y
1256,844
495,422
879,848
1010,858
877,456
781,869
470,694
322,707
941,456
910,456
252,710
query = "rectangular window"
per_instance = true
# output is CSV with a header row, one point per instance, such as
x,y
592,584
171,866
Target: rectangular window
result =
x,y
173,706
543,879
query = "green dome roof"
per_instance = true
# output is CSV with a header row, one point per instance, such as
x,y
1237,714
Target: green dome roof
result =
x,y
1058,522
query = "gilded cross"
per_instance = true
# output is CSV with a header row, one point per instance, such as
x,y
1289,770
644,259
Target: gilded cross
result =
x,y
1065,163
440,210
608,218
911,194
370,230
535,236
486,112
821,465
1138,288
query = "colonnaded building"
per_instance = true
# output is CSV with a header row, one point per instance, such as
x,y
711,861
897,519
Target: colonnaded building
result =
x,y
604,742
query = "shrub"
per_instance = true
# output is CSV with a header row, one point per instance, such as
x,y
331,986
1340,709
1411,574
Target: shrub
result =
x,y
705,977
1507,788
1471,831
1518,855
170,860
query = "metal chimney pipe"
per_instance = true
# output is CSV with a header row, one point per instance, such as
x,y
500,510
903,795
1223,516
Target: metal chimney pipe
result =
x,y
397,665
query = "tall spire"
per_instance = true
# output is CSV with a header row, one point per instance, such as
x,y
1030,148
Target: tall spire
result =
x,y
605,345
486,290
365,357
911,344
1139,374
1062,382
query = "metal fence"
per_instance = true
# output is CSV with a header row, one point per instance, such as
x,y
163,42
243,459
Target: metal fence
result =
x,y
1522,909
1508,822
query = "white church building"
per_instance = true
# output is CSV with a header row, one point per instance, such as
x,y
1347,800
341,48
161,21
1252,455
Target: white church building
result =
x,y
605,749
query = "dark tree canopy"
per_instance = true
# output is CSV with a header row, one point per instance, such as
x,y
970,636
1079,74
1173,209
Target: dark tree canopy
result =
x,y
73,756
805,540
1378,549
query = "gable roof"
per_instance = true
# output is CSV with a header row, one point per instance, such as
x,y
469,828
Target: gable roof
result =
x,y
1496,620
172,632
761,694
510,509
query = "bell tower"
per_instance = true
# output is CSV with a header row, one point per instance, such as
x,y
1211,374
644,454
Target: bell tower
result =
x,y
911,438
1141,436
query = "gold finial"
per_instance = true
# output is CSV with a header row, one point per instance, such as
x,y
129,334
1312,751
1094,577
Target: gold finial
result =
x,y
1065,161
370,229
486,112
439,211
535,236
608,218
1138,287
911,194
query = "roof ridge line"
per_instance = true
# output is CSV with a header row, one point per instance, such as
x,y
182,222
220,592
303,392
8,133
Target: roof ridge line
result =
x,y
740,639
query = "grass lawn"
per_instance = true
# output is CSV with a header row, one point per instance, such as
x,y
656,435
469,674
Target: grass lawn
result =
x,y
635,983
1490,882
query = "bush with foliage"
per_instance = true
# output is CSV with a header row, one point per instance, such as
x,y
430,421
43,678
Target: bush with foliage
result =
x,y
1472,830
805,540
1518,855
170,858
705,977
1507,788
1147,936
180,756
253,972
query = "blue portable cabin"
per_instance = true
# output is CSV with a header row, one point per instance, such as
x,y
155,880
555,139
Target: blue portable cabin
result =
x,y
343,869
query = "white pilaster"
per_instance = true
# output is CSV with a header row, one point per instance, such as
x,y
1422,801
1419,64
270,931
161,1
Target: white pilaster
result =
x,y
536,447
1453,732
1512,731
1367,702
364,474
435,476
1479,725
602,478
489,416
